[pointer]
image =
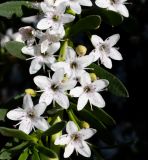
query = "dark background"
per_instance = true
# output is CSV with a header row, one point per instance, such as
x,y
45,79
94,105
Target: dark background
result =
x,y
130,114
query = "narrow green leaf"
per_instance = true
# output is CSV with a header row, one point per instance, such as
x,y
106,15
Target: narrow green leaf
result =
x,y
46,151
55,128
63,51
19,147
110,17
3,113
14,48
43,157
104,117
8,9
24,155
86,24
14,133
115,85
35,155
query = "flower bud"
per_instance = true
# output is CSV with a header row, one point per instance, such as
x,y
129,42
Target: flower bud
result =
x,y
31,92
85,124
93,76
81,50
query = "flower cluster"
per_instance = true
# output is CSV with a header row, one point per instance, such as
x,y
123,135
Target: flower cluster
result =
x,y
69,76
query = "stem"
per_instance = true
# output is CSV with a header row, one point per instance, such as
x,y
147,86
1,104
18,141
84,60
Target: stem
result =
x,y
62,54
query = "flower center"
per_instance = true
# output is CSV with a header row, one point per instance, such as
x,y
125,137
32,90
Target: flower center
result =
x,y
104,48
74,65
55,17
31,114
54,87
75,137
87,89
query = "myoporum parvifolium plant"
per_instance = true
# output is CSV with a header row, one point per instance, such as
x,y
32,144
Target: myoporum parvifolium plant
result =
x,y
56,118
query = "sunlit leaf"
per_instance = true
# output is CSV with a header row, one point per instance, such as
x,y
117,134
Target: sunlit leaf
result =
x,y
3,114
14,48
24,155
8,9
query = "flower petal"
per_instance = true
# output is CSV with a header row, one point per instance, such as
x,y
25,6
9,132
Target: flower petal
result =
x,y
123,10
97,100
68,84
83,149
115,54
86,60
31,50
70,54
16,114
26,126
62,100
96,40
62,140
54,47
40,109
85,79
27,102
44,46
85,3
76,92
58,76
35,66
87,133
46,97
102,3
107,62
67,18
82,101
42,82
96,54
75,7
71,127
41,123
112,40
68,150
100,84
44,23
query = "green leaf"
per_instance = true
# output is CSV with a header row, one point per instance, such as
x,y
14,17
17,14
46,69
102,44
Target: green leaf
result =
x,y
86,24
24,155
46,151
115,85
8,9
5,155
35,155
54,111
104,117
3,113
14,133
14,48
110,17
55,128
19,147
43,157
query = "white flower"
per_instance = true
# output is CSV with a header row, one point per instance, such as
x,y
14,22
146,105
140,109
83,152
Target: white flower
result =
x,y
29,116
28,34
75,140
54,18
41,59
75,5
74,66
104,50
54,88
114,5
88,91
51,36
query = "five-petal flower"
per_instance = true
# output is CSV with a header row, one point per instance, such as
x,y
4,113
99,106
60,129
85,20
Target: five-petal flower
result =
x,y
75,140
29,116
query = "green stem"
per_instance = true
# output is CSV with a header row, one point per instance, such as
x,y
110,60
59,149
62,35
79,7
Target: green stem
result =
x,y
62,54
